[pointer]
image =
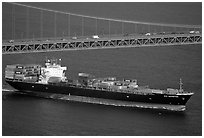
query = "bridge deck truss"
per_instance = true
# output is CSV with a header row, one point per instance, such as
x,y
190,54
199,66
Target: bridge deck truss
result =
x,y
61,45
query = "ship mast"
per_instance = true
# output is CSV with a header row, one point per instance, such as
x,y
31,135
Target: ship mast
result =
x,y
180,85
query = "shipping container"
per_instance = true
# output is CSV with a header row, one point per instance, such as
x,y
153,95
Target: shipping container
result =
x,y
29,70
31,75
12,66
31,79
20,67
15,69
18,71
9,76
103,85
19,76
10,69
9,72
32,66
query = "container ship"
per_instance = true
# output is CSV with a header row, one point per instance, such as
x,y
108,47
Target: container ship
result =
x,y
51,78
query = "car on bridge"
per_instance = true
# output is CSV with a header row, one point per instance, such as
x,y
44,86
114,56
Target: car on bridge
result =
x,y
194,32
11,41
191,32
148,34
74,37
95,37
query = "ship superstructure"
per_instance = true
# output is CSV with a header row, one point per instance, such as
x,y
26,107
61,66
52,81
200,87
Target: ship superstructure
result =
x,y
52,72
51,78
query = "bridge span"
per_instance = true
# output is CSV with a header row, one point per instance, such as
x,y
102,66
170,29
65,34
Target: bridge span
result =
x,y
87,43
27,22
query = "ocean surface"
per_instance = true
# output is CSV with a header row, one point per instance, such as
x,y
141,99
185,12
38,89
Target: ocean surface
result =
x,y
158,67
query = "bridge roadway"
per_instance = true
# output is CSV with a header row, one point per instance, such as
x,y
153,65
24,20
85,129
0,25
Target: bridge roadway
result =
x,y
108,41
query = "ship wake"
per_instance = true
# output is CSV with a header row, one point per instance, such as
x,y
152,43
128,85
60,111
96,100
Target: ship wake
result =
x,y
7,90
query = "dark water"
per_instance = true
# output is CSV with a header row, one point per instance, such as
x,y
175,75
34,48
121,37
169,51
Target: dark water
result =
x,y
159,67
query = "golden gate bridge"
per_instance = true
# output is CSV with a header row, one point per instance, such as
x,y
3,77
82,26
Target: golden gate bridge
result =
x,y
71,31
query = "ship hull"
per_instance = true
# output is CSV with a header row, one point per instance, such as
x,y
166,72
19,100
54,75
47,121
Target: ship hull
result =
x,y
96,93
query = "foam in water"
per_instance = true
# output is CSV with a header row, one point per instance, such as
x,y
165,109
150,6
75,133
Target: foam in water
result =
x,y
7,90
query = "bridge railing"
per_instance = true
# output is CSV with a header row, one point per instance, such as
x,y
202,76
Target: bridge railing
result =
x,y
91,37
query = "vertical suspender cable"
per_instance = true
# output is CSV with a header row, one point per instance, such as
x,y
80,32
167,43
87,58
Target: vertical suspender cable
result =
x,y
55,24
96,27
148,28
122,28
181,27
174,28
142,28
135,28
69,25
115,20
27,22
41,24
82,26
152,29
162,29
14,24
12,11
109,28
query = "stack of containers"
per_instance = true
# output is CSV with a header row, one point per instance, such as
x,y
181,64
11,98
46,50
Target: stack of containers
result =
x,y
9,71
19,72
84,78
28,73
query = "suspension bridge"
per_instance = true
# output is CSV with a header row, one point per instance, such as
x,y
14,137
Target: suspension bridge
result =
x,y
35,29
